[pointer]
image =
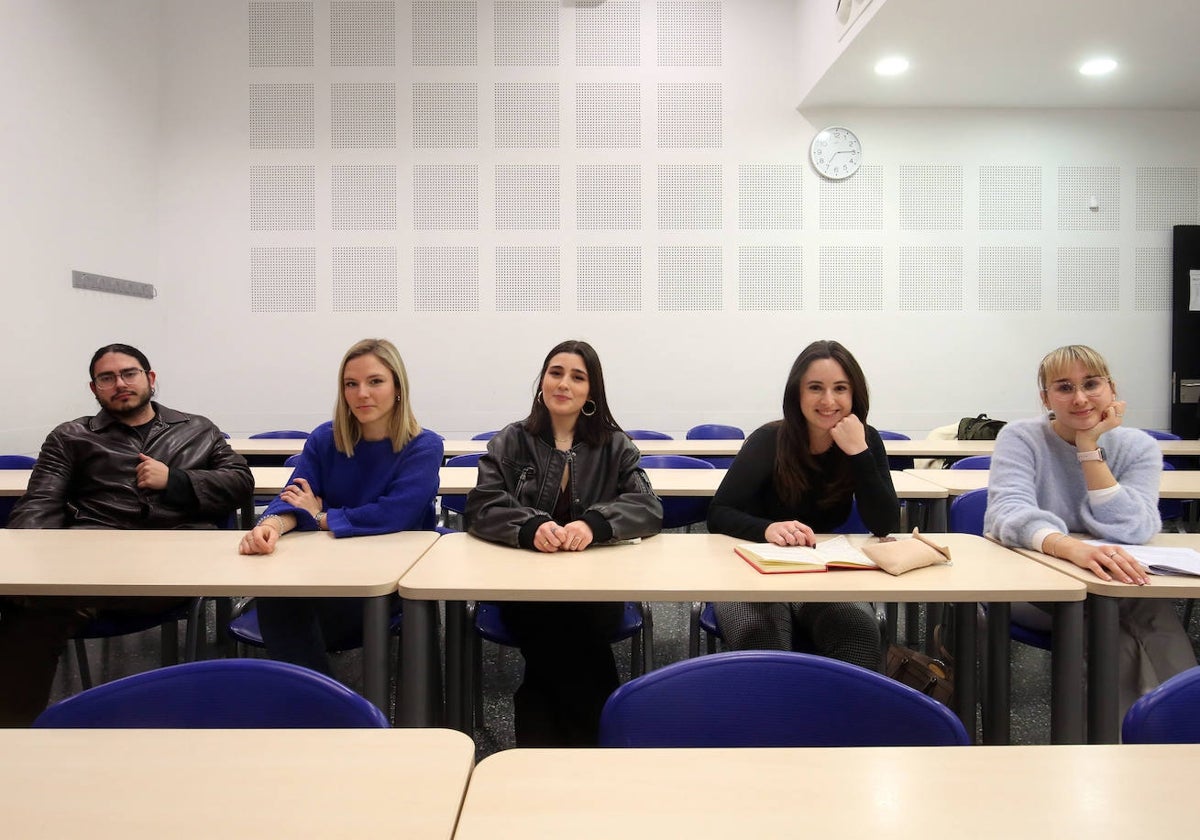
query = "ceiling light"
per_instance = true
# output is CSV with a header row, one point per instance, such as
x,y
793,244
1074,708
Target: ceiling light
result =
x,y
1098,67
891,66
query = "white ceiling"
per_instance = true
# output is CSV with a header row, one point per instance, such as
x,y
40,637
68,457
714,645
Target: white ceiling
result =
x,y
1019,54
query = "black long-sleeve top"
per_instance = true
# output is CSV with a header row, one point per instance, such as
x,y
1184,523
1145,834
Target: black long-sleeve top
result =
x,y
747,500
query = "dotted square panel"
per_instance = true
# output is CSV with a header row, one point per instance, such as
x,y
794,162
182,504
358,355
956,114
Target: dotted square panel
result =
x,y
609,278
769,197
690,115
855,203
1089,279
689,197
689,278
445,115
446,279
283,198
527,279
608,197
364,197
445,34
689,33
1077,185
446,197
527,198
931,198
1167,196
1010,278
851,278
931,279
281,34
1010,198
771,278
527,115
608,116
363,115
526,33
365,279
1152,279
608,34
362,33
283,279
281,116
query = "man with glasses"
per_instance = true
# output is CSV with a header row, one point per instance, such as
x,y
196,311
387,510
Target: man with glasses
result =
x,y
135,464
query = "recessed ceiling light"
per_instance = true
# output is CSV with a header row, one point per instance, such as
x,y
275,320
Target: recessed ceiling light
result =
x,y
1098,67
891,66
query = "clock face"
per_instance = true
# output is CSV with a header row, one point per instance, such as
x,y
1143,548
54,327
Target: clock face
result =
x,y
836,152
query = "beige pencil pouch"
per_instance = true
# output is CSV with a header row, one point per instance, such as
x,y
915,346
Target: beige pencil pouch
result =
x,y
899,556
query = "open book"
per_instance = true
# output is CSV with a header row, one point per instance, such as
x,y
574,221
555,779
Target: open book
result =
x,y
1162,560
836,553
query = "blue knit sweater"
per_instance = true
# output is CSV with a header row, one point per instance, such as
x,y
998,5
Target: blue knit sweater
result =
x,y
1036,483
375,492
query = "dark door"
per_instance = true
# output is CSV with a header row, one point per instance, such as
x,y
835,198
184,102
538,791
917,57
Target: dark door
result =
x,y
1185,333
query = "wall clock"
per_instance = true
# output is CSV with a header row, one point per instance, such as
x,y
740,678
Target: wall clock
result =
x,y
836,152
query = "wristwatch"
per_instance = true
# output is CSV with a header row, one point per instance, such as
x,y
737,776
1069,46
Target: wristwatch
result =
x,y
1096,454
320,517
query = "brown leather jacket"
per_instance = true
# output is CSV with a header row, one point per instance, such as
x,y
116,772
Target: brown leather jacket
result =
x,y
86,475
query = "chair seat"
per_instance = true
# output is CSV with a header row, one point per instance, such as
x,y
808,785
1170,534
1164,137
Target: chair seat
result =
x,y
490,626
245,629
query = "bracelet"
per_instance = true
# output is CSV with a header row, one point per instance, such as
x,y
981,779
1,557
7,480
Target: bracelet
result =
x,y
278,521
1050,549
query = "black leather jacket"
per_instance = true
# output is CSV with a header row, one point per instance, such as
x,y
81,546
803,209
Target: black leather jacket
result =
x,y
518,486
86,475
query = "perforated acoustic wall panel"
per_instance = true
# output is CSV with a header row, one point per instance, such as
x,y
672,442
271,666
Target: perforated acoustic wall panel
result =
x,y
527,198
770,197
1010,278
608,197
608,34
771,278
689,33
446,197
527,115
525,34
689,278
527,279
362,33
689,197
1167,196
363,115
689,115
445,34
1089,279
854,203
283,198
1010,197
1077,186
281,116
931,198
931,278
609,278
446,279
364,197
445,115
283,279
851,278
281,34
608,115
1152,279
365,279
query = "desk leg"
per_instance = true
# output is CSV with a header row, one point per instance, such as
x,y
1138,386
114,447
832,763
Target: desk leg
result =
x,y
938,517
1066,676
998,702
966,684
458,697
419,678
1103,706
375,645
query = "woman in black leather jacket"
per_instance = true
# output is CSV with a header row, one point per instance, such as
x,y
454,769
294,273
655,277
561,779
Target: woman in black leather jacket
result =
x,y
563,479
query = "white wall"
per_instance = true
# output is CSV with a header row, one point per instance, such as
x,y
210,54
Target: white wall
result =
x,y
472,370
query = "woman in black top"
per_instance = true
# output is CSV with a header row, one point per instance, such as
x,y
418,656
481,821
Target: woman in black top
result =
x,y
797,477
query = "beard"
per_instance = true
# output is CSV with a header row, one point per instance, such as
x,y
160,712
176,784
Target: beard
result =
x,y
126,410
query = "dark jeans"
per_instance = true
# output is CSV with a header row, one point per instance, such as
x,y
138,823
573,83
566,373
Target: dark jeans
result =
x,y
303,631
33,634
569,670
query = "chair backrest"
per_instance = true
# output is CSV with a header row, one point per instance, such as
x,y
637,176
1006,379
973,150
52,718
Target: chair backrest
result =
x,y
647,434
966,512
853,523
1167,714
772,699
454,501
281,434
291,460
1157,435
217,694
485,435
680,511
17,462
973,462
715,431
897,462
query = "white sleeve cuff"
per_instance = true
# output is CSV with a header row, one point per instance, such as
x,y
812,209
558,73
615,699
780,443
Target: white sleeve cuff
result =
x,y
1039,537
1095,497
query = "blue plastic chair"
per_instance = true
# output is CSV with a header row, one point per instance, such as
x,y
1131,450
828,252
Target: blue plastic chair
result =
x,y
1166,714
973,462
244,628
773,699
647,434
456,503
291,460
716,431
12,462
680,511
485,435
897,462
217,694
272,460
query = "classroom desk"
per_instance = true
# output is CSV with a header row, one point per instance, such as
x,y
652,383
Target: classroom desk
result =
x,y
155,783
189,563
703,567
1103,709
1098,792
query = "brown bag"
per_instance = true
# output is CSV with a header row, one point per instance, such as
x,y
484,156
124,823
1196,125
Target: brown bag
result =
x,y
926,674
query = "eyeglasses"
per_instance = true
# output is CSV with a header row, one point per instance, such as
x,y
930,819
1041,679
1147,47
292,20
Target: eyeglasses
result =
x,y
1091,387
109,380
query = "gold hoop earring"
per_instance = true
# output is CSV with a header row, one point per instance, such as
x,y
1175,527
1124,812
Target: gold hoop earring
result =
x,y
584,410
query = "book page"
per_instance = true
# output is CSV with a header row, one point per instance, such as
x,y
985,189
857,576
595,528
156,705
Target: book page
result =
x,y
836,550
1161,560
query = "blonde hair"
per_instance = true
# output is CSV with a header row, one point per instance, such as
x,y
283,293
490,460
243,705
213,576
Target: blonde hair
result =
x,y
1057,361
402,424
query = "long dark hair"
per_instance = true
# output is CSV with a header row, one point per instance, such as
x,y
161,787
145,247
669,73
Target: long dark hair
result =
x,y
593,430
796,466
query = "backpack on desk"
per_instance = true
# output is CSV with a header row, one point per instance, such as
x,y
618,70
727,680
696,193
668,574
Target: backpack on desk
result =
x,y
979,428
